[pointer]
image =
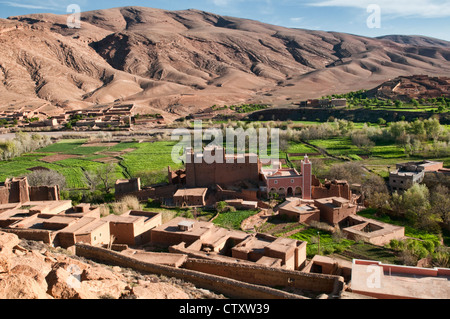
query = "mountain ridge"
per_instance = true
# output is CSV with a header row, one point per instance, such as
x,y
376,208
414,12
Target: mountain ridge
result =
x,y
178,62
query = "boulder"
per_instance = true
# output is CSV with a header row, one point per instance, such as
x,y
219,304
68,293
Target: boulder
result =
x,y
30,272
32,259
66,284
99,273
21,286
108,288
7,243
151,290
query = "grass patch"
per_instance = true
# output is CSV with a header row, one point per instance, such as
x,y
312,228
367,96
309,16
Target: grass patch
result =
x,y
409,230
328,245
150,157
371,252
64,146
299,148
233,220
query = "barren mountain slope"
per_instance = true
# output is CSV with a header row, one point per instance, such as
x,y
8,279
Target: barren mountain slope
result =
x,y
175,62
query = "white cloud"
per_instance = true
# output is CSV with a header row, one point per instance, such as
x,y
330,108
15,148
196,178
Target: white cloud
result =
x,y
222,3
407,8
53,5
24,5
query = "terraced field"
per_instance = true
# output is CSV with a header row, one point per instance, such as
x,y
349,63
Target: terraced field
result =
x,y
72,157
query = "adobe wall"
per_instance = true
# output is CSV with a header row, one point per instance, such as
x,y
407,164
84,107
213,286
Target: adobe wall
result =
x,y
245,194
228,287
66,240
32,234
126,187
154,193
43,193
334,190
305,217
18,191
172,238
4,195
205,175
268,276
332,215
380,240
124,233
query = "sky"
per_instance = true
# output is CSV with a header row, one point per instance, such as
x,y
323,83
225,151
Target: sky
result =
x,y
362,17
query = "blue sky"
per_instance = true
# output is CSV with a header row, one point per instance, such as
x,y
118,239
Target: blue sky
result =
x,y
409,17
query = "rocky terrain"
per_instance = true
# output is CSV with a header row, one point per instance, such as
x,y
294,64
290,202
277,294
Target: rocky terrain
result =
x,y
177,62
33,270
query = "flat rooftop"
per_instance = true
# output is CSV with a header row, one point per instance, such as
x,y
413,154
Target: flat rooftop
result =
x,y
272,173
191,192
333,202
199,228
379,280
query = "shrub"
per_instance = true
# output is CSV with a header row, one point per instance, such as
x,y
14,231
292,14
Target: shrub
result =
x,y
125,204
46,178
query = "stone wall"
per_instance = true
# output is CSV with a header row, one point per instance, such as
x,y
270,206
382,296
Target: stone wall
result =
x,y
229,287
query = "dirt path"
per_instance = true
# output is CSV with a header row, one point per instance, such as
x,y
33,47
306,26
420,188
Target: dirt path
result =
x,y
255,221
322,150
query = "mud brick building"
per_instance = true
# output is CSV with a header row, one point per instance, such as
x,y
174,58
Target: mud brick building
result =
x,y
335,188
132,228
289,182
399,282
207,241
371,231
17,190
299,210
225,169
190,197
334,209
132,187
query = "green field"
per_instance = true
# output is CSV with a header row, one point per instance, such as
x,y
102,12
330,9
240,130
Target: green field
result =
x,y
328,244
233,220
145,157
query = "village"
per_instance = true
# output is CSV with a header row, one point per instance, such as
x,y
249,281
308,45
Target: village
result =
x,y
242,264
115,116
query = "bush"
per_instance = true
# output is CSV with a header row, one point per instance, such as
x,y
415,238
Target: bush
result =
x,y
46,178
126,204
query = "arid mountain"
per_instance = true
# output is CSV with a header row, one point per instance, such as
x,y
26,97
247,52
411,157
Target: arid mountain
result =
x,y
175,62
412,87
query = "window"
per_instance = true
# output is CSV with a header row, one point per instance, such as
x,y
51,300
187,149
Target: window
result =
x,y
276,182
292,181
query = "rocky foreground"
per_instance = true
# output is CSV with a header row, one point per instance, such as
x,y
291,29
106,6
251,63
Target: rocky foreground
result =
x,y
33,270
